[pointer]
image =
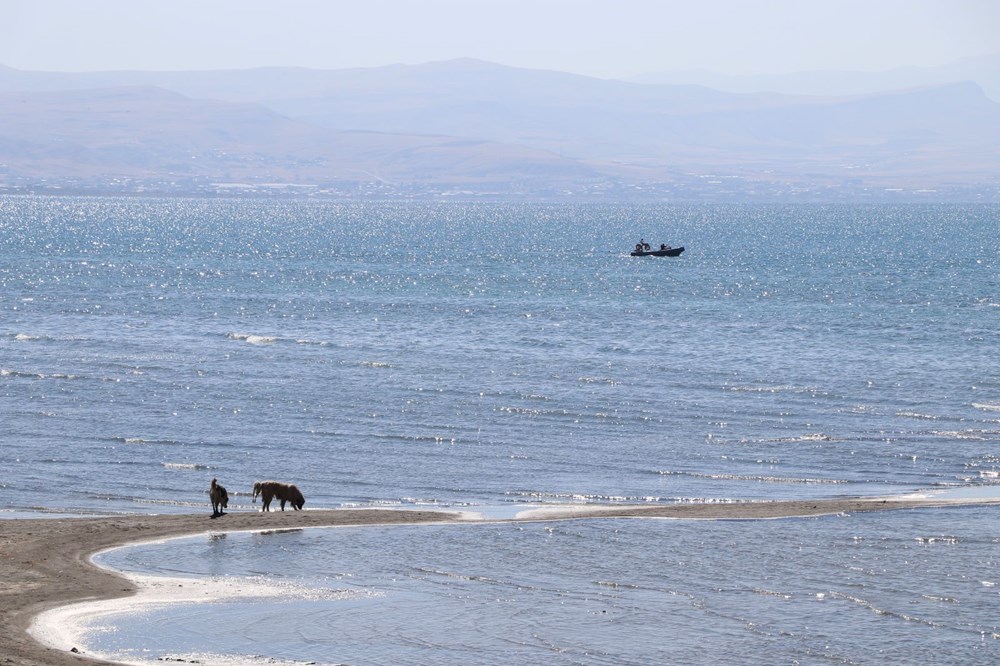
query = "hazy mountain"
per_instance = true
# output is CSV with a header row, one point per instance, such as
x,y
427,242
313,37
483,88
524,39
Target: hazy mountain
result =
x,y
984,71
496,128
149,132
447,80
599,120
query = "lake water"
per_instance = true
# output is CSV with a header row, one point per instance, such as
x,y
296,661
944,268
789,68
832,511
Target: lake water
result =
x,y
486,356
908,587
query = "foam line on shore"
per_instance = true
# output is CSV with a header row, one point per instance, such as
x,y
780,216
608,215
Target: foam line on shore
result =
x,y
766,509
69,625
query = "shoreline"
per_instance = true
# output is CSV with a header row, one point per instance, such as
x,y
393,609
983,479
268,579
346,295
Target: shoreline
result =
x,y
46,563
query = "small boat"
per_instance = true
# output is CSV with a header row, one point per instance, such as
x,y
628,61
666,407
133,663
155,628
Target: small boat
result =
x,y
667,252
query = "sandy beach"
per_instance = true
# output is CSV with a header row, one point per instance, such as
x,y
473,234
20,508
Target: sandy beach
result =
x,y
45,563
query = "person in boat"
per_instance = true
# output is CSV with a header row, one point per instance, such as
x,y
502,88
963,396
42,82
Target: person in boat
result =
x,y
664,247
645,245
638,247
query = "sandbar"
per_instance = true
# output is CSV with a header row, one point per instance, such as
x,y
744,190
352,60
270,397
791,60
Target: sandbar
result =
x,y
45,563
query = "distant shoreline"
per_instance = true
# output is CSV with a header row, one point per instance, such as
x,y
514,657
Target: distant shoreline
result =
x,y
954,195
45,563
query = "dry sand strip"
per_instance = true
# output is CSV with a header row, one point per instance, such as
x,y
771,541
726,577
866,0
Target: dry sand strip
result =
x,y
45,563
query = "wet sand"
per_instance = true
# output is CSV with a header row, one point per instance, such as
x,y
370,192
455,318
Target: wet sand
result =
x,y
45,563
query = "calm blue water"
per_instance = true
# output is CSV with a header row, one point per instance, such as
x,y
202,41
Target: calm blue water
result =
x,y
492,355
886,588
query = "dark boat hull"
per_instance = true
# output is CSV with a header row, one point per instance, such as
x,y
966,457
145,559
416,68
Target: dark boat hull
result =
x,y
672,252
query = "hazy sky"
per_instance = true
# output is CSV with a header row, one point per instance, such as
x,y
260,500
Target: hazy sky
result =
x,y
597,37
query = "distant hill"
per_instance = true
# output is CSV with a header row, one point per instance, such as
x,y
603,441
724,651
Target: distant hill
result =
x,y
486,128
983,71
153,133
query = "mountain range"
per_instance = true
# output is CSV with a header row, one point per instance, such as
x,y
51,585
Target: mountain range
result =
x,y
477,129
983,70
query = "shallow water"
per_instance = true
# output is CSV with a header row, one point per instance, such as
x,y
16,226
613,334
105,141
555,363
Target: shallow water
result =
x,y
898,587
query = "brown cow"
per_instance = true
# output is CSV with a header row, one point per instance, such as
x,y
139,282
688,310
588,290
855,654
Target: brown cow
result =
x,y
286,492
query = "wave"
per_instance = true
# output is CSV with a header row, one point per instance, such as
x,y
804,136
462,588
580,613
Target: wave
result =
x,y
314,343
403,501
809,437
219,659
153,501
987,406
794,439
142,441
599,380
8,372
187,466
884,612
432,439
940,600
918,415
741,388
252,339
771,593
534,411
948,540
970,434
585,498
199,500
131,440
758,478
467,577
708,500
106,498
617,586
986,458
31,337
